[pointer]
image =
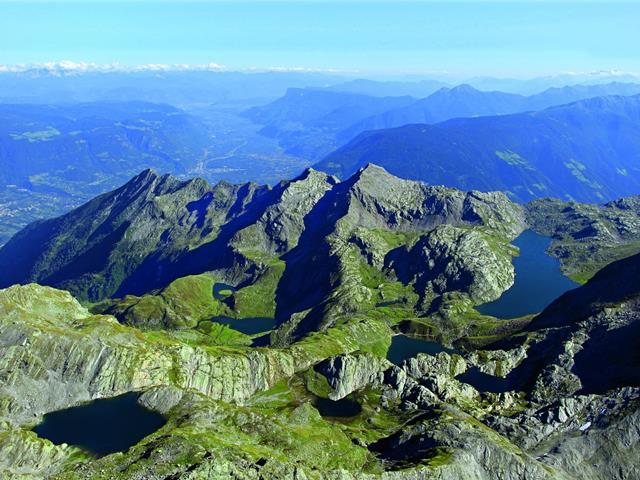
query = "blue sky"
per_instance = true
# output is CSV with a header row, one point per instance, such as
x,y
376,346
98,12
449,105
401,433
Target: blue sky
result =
x,y
474,37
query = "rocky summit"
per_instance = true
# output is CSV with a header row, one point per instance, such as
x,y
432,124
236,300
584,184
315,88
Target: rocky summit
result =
x,y
258,322
306,252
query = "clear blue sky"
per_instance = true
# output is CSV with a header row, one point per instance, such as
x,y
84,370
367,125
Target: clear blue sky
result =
x,y
474,37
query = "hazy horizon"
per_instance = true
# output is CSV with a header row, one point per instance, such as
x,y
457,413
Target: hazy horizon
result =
x,y
81,66
519,39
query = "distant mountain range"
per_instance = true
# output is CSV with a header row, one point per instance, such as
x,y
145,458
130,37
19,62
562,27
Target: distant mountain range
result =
x,y
323,108
174,86
389,88
466,101
531,86
306,121
61,152
42,145
587,151
311,122
182,85
54,157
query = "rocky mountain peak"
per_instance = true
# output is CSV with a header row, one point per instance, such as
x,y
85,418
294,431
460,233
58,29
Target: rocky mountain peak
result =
x,y
376,180
314,175
155,229
464,88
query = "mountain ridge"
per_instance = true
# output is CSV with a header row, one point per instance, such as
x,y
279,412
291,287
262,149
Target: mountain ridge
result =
x,y
467,101
316,248
529,155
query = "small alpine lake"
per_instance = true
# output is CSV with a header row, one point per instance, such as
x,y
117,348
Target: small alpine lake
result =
x,y
538,280
483,382
343,408
404,347
102,426
248,326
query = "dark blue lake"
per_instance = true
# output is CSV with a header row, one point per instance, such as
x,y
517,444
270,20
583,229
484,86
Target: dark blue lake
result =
x,y
343,408
248,326
484,382
103,426
538,280
403,347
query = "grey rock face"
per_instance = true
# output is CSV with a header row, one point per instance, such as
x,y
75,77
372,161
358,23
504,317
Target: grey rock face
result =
x,y
450,259
378,198
324,272
348,373
279,227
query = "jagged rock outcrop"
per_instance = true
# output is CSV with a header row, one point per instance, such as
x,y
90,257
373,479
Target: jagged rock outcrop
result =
x,y
454,260
279,227
498,363
360,223
379,199
348,373
472,450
